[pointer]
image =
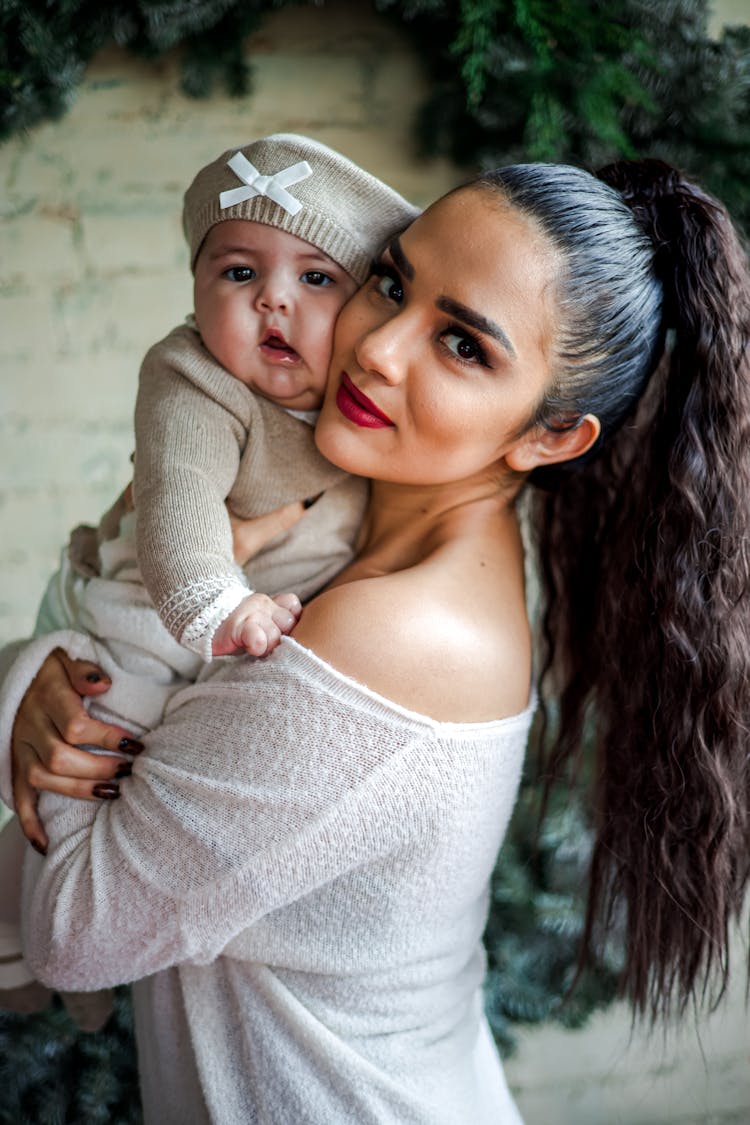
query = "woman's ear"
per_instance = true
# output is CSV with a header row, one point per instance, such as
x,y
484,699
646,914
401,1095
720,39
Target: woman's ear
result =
x,y
544,446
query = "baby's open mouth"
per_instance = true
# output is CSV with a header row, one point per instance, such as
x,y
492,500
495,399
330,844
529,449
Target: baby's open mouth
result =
x,y
278,345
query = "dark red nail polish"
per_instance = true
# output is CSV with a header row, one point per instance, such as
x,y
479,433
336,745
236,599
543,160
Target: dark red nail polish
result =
x,y
38,847
124,770
107,790
129,746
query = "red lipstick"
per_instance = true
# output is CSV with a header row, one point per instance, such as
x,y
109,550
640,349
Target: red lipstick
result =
x,y
358,408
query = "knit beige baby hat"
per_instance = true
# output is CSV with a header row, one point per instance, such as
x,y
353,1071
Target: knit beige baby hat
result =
x,y
303,187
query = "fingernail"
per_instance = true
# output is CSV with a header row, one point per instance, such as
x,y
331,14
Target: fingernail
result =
x,y
107,790
38,847
124,770
129,746
311,500
93,678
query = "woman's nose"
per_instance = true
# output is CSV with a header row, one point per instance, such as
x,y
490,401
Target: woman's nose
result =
x,y
381,350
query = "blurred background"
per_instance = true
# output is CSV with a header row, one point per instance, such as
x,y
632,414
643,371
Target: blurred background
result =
x,y
106,113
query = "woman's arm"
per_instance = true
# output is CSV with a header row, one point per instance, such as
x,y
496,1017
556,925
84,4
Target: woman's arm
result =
x,y
265,782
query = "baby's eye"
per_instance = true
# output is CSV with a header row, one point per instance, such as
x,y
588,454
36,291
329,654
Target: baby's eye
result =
x,y
316,277
239,273
464,346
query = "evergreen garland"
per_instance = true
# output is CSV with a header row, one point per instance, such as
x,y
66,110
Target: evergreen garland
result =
x,y
535,926
578,80
53,1074
588,82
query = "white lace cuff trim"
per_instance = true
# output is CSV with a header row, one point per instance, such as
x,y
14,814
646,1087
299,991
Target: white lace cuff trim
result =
x,y
198,634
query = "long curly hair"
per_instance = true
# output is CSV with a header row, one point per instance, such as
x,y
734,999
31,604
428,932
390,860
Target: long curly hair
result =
x,y
644,559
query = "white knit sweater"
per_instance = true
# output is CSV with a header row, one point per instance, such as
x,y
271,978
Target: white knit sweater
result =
x,y
299,867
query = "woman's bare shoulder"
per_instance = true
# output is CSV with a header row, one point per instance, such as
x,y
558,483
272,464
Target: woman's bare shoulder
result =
x,y
409,641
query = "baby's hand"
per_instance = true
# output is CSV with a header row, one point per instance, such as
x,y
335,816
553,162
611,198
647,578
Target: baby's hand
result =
x,y
256,625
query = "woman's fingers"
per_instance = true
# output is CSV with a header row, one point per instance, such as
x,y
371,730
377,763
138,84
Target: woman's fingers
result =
x,y
70,772
50,726
30,776
46,762
251,536
24,799
53,719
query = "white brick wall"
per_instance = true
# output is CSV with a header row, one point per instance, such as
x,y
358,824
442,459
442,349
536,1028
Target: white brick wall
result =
x,y
93,269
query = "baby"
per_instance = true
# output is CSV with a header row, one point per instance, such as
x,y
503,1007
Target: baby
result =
x,y
281,232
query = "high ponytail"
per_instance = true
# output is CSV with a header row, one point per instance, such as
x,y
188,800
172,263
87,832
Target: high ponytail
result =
x,y
645,573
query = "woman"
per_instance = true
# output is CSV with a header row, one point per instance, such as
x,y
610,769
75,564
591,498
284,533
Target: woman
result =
x,y
308,945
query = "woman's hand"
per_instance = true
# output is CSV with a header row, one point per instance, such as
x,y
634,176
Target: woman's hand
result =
x,y
51,722
251,536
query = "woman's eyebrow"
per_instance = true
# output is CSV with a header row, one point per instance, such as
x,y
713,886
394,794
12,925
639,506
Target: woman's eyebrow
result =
x,y
400,260
454,308
476,320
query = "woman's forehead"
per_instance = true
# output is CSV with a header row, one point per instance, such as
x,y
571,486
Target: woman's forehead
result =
x,y
477,217
475,237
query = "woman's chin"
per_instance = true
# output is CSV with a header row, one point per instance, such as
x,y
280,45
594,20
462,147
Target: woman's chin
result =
x,y
338,445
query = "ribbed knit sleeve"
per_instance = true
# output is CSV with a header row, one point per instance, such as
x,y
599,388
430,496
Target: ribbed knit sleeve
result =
x,y
268,782
191,423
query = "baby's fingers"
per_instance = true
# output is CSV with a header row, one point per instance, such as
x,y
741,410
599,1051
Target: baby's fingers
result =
x,y
290,602
259,637
284,619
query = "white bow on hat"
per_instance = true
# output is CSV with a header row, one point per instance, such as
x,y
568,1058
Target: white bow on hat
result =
x,y
274,187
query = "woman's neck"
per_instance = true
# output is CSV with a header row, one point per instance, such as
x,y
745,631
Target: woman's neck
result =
x,y
404,524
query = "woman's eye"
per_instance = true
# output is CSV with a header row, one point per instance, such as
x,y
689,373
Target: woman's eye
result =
x,y
464,347
316,277
239,273
390,287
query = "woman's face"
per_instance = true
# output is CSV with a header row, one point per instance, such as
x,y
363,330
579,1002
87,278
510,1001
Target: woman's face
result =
x,y
442,356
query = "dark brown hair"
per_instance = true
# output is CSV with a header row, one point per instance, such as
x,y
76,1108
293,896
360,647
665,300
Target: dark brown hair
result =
x,y
644,549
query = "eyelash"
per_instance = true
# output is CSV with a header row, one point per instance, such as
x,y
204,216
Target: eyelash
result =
x,y
380,270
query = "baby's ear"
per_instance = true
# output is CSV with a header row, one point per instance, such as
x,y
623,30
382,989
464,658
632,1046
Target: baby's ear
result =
x,y
546,446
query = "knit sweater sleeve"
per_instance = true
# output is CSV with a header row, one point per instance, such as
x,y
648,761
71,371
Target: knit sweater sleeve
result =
x,y
190,429
267,780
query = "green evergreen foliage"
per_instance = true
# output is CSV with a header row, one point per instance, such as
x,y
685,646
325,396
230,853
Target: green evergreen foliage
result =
x,y
51,1073
533,935
578,80
587,82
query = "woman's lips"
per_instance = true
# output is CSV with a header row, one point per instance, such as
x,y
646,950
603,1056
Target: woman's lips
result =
x,y
358,408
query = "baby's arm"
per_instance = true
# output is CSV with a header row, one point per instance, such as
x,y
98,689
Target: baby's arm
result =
x,y
188,448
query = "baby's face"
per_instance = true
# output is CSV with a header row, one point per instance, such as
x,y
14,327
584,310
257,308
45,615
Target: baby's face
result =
x,y
266,303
